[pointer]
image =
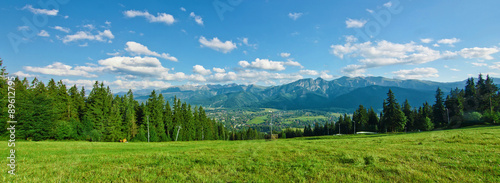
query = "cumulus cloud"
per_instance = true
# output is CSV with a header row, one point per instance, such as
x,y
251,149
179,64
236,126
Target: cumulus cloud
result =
x,y
284,55
352,23
52,12
266,64
161,17
223,77
183,9
263,64
139,49
384,53
106,35
43,33
426,40
478,64
197,18
218,70
62,29
217,45
417,73
295,16
292,63
139,66
450,42
60,69
201,70
483,53
21,74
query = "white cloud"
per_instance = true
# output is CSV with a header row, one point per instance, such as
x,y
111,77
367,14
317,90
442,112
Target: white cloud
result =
x,y
435,45
325,75
52,12
197,18
352,23
453,69
62,29
388,4
139,49
84,45
478,64
217,45
107,23
89,26
21,74
245,41
292,63
85,35
295,16
43,33
495,65
201,70
309,72
417,73
161,17
183,9
426,40
60,69
223,77
138,66
450,42
284,55
476,52
354,70
385,53
369,10
218,70
263,64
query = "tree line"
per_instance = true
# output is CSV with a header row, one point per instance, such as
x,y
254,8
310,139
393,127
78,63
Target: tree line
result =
x,y
477,103
53,112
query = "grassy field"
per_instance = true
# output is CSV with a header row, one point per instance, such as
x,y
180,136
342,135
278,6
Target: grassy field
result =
x,y
461,155
258,120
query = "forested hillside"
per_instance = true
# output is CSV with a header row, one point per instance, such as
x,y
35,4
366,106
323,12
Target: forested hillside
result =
x,y
53,111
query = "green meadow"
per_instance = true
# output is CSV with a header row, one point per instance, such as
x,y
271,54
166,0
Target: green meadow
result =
x,y
460,155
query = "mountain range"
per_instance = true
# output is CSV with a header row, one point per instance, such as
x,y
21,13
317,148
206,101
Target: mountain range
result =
x,y
344,94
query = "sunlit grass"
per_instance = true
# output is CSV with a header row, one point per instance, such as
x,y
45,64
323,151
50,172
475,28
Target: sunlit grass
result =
x,y
461,155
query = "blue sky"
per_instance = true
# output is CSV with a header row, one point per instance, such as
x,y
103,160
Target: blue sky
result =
x,y
156,44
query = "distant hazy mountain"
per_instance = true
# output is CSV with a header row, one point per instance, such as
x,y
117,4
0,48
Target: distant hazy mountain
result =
x,y
344,93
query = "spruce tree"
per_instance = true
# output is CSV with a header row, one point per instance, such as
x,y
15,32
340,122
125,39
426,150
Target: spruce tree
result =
x,y
393,118
439,111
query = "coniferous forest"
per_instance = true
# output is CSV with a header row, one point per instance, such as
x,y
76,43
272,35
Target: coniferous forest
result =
x,y
53,111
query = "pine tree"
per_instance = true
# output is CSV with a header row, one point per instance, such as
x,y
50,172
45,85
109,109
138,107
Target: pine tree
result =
x,y
360,117
439,111
409,115
373,120
393,118
470,97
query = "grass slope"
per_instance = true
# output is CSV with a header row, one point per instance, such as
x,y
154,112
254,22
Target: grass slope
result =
x,y
461,155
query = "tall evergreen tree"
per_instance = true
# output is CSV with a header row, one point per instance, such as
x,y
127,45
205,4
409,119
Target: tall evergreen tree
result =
x,y
439,111
393,118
